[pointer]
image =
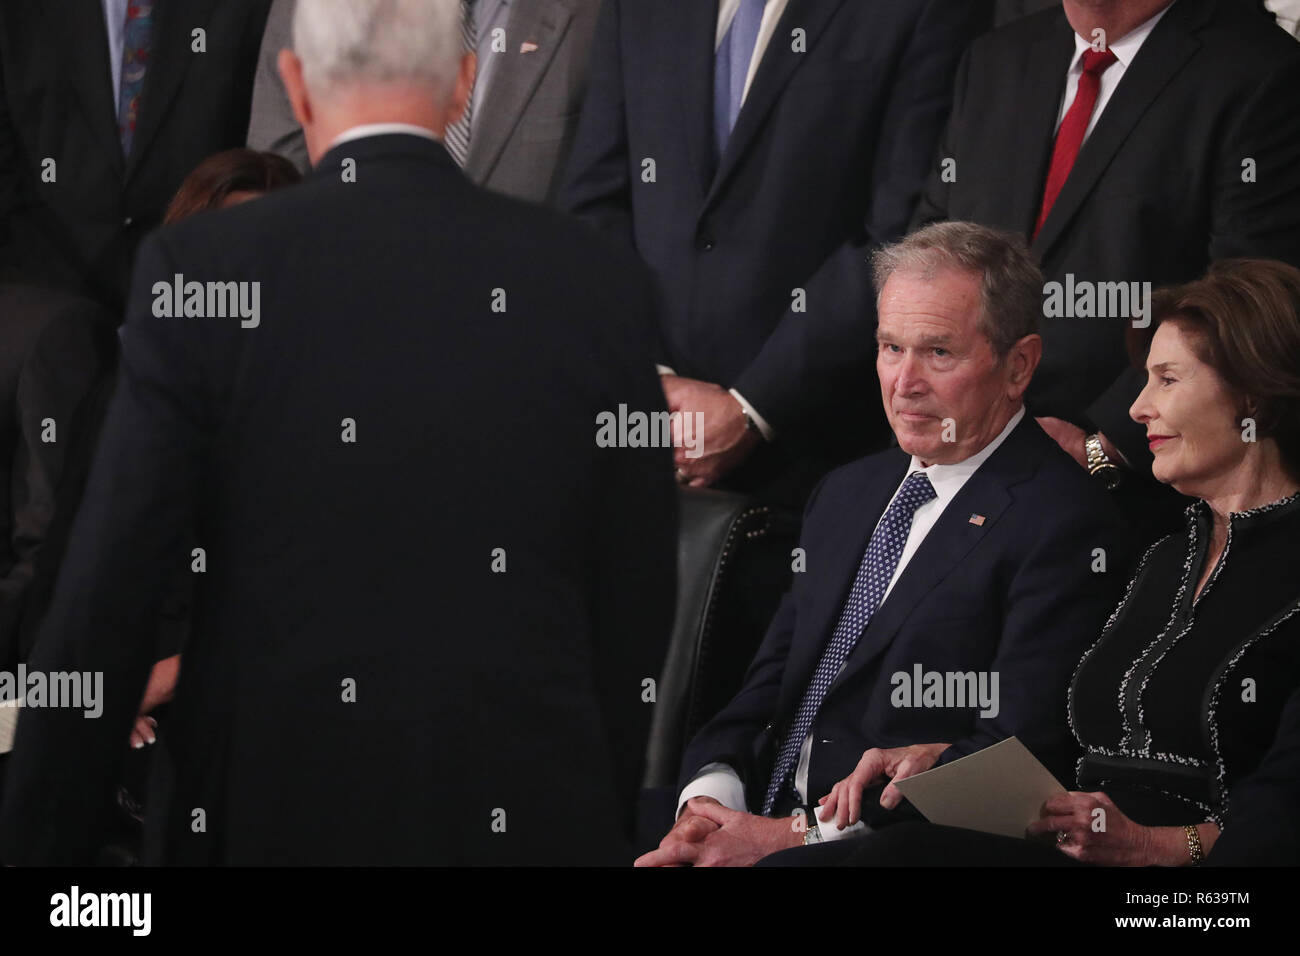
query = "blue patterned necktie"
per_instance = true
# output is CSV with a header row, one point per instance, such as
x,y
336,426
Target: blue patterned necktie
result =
x,y
878,564
137,37
731,67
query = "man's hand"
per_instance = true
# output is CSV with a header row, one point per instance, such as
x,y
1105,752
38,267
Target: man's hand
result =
x,y
738,839
844,803
691,827
720,443
1072,438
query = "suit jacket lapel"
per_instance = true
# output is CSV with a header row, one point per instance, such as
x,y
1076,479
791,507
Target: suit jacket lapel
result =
x,y
170,57
774,71
85,43
1165,52
1043,85
690,27
540,22
948,543
835,562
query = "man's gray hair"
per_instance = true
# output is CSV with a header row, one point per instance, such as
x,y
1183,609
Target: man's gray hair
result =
x,y
1011,285
341,42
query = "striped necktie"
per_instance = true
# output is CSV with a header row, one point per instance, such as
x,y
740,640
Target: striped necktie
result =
x,y
137,37
456,137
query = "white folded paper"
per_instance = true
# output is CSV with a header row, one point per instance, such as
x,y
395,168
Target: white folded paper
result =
x,y
999,789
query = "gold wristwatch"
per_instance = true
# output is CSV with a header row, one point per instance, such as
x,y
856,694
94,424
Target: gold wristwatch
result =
x,y
1099,464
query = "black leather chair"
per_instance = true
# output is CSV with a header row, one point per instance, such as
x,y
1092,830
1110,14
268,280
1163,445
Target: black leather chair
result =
x,y
733,564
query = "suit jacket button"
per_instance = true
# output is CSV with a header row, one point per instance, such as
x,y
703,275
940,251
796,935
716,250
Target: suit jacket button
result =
x,y
127,221
706,243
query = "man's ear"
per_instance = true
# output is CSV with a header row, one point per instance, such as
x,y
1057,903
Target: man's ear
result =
x,y
1022,360
291,73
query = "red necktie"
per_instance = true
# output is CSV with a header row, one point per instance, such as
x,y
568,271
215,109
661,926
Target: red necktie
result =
x,y
1069,138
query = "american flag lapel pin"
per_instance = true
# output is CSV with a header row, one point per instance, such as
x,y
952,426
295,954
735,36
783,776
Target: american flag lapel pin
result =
x,y
528,46
977,520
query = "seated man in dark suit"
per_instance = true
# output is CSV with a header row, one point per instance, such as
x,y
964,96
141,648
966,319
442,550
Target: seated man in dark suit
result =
x,y
976,549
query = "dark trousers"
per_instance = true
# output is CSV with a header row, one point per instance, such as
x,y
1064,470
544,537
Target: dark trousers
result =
x,y
924,844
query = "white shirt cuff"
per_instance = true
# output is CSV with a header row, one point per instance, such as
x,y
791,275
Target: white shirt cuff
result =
x,y
664,370
764,428
719,781
830,833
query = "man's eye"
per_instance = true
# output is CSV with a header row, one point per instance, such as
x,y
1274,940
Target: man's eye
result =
x,y
941,353
1165,380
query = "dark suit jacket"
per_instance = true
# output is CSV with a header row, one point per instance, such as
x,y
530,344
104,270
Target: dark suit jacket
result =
x,y
482,697
1015,9
526,123
55,355
56,102
1156,193
826,161
1015,594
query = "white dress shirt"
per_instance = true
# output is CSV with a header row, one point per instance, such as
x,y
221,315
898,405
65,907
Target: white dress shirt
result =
x,y
772,11
115,22
1125,49
720,781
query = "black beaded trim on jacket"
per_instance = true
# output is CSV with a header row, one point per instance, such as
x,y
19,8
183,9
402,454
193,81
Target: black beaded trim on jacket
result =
x,y
1212,730
1262,509
1126,741
1110,622
1213,726
1191,616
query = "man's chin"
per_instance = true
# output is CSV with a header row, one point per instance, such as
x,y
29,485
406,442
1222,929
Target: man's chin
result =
x,y
921,445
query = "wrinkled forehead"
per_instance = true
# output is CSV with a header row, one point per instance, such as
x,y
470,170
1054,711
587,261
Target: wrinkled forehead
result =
x,y
925,305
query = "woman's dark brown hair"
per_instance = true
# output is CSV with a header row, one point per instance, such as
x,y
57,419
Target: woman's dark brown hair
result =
x,y
1243,320
223,174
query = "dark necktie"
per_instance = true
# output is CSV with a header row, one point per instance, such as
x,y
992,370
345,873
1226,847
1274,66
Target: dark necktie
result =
x,y
878,564
137,37
458,133
1069,138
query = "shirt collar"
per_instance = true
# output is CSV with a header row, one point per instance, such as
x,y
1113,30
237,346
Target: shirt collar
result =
x,y
1125,48
948,479
381,129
